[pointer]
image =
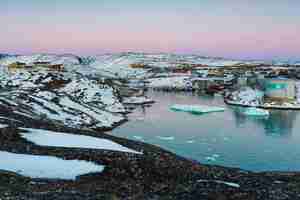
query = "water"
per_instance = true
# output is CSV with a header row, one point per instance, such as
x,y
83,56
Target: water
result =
x,y
224,138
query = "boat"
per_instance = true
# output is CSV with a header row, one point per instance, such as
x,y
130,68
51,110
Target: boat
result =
x,y
253,111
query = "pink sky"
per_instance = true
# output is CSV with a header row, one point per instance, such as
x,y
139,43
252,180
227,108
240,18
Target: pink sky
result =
x,y
240,31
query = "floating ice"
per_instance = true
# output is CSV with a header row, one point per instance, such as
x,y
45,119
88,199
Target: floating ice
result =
x,y
215,155
196,109
58,139
46,166
210,158
256,112
165,137
138,137
190,141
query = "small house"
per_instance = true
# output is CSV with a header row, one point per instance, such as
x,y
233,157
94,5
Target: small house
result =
x,y
41,64
56,67
17,65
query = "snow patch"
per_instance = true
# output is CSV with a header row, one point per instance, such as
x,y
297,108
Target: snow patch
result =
x,y
46,166
231,184
59,139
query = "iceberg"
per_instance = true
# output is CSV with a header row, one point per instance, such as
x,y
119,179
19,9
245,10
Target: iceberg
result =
x,y
196,109
256,112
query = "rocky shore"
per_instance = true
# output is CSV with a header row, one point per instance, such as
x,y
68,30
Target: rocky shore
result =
x,y
155,174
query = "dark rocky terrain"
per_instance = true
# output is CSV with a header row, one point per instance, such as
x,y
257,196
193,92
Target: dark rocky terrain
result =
x,y
156,174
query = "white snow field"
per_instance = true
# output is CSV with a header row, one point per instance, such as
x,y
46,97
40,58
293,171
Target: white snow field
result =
x,y
78,103
66,59
59,139
177,82
46,166
197,109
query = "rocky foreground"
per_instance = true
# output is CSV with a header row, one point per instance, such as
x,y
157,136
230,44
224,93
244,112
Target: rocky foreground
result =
x,y
155,174
76,103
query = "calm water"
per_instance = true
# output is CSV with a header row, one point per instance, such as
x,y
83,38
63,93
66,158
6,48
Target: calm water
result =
x,y
224,138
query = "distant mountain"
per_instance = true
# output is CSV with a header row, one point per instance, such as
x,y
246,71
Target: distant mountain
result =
x,y
67,59
127,58
3,55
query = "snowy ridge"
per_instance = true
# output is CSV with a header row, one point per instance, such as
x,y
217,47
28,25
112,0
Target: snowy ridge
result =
x,y
61,97
118,65
67,59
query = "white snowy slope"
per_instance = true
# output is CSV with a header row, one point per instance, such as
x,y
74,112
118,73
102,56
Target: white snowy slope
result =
x,y
118,66
66,59
46,166
92,93
178,82
62,97
59,139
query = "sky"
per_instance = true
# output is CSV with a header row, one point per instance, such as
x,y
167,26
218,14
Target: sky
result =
x,y
247,29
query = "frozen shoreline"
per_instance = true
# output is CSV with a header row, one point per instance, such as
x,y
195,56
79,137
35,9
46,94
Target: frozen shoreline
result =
x,y
234,103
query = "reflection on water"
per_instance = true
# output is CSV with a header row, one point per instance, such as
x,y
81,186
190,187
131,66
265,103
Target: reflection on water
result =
x,y
225,138
278,123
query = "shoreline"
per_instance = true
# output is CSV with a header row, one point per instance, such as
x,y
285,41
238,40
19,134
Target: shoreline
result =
x,y
156,174
232,103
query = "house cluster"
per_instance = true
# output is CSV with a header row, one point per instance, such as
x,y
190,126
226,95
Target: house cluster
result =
x,y
215,79
20,65
234,77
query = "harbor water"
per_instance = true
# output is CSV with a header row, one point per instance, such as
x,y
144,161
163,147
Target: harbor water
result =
x,y
226,138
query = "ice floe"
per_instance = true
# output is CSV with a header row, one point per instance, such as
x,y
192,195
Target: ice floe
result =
x,y
212,158
59,139
190,141
46,166
138,137
252,111
165,137
196,109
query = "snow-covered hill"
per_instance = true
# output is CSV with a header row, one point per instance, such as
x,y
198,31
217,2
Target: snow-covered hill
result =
x,y
66,98
67,59
118,65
